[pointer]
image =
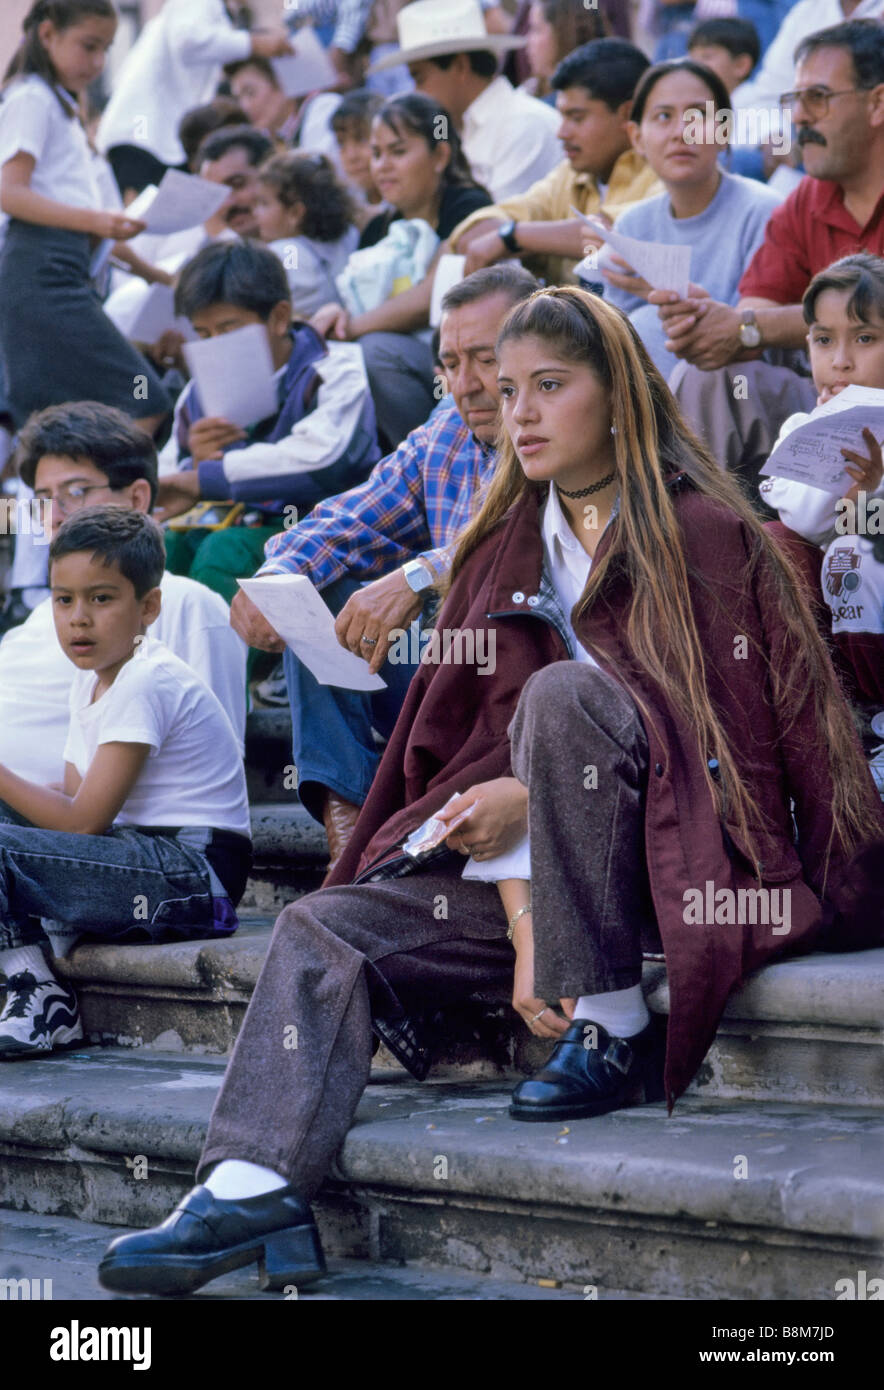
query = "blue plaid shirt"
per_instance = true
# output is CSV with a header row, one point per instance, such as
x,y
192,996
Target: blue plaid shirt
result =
x,y
413,504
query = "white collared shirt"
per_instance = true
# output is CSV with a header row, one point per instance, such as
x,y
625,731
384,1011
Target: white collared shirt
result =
x,y
567,563
32,122
174,65
509,139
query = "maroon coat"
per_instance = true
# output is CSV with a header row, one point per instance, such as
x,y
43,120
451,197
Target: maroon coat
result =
x,y
452,734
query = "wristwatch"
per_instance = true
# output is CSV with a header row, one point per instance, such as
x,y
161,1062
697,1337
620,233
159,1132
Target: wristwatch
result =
x,y
507,233
418,576
750,333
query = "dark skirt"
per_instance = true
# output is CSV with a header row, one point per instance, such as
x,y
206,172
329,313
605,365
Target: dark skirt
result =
x,y
56,342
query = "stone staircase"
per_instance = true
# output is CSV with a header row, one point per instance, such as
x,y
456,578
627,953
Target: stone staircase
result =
x,y
766,1182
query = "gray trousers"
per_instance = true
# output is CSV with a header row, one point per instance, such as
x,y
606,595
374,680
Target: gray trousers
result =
x,y
400,373
342,955
738,411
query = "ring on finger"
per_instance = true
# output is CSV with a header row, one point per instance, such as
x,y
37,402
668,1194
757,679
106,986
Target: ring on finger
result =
x,y
369,641
544,1010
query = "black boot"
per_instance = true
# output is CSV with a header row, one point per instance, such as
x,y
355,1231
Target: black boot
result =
x,y
589,1073
205,1237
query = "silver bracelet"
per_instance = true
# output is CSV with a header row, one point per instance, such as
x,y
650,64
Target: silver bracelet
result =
x,y
511,924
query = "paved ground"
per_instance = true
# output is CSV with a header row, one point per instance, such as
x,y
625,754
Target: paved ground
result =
x,y
67,1252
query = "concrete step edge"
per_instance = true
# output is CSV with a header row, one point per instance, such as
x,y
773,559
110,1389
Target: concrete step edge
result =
x,y
822,1174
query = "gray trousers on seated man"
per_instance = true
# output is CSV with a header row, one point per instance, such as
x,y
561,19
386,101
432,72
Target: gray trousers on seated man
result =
x,y
400,374
738,411
341,956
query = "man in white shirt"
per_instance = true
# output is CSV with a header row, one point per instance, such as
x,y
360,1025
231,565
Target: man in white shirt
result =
x,y
76,456
508,137
175,64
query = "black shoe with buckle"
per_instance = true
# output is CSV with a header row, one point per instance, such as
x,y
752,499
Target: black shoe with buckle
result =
x,y
205,1237
589,1073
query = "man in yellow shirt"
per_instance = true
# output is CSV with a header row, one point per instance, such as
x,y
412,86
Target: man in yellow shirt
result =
x,y
601,173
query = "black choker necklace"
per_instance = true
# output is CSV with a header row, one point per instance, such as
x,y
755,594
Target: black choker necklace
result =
x,y
588,491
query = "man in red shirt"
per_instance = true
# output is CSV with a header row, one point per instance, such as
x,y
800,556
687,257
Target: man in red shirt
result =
x,y
736,401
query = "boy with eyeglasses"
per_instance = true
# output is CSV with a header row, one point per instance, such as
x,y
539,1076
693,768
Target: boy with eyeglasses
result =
x,y
75,456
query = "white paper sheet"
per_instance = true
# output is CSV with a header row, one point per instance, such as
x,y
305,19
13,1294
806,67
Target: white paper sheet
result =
x,y
143,312
449,272
295,608
181,201
812,453
663,265
234,375
309,69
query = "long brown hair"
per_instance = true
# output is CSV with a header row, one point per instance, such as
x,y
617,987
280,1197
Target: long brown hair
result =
x,y
652,442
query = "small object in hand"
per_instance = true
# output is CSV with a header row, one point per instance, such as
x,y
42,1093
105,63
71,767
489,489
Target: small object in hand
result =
x,y
431,834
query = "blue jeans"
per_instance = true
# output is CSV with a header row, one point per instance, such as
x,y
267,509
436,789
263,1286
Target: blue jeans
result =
x,y
332,742
126,885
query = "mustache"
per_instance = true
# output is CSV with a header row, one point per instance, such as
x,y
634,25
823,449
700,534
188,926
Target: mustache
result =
x,y
808,136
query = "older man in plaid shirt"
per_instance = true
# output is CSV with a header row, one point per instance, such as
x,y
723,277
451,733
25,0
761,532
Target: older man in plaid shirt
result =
x,y
400,525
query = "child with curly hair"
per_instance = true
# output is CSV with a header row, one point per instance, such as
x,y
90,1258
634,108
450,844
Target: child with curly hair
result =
x,y
306,216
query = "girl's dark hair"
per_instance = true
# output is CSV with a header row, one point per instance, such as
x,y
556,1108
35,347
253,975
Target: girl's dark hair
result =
x,y
649,80
862,273
31,56
101,434
310,179
116,536
355,113
261,65
242,273
648,552
574,24
412,113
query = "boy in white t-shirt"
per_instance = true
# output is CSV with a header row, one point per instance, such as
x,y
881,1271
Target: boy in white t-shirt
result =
x,y
75,456
150,834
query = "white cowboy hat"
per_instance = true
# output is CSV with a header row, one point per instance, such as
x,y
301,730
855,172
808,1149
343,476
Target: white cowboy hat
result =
x,y
428,28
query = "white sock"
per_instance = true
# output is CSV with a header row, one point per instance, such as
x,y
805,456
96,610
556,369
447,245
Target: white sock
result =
x,y
20,958
233,1179
622,1012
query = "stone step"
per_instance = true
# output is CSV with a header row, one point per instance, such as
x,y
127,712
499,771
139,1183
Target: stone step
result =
x,y
809,1030
60,1256
290,855
724,1200
268,754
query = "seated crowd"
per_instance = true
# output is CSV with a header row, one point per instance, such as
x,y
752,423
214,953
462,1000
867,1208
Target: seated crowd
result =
x,y
483,421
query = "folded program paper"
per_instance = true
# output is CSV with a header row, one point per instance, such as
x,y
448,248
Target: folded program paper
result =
x,y
295,609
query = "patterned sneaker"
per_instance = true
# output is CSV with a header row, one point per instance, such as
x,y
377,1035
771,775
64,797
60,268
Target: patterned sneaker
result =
x,y
39,1016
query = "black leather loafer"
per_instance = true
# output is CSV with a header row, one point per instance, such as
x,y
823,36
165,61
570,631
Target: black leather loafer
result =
x,y
205,1237
589,1073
